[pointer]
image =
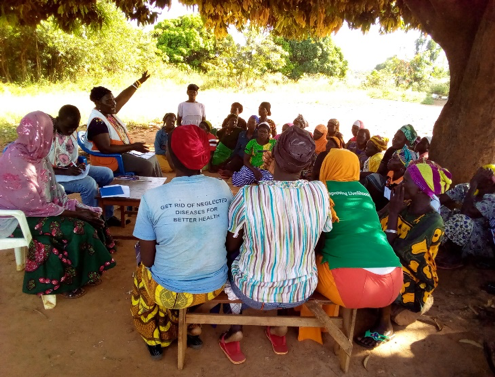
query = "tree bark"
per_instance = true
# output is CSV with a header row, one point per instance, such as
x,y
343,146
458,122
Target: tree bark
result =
x,y
464,134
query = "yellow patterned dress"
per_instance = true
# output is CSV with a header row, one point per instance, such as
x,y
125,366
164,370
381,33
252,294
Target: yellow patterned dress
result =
x,y
417,246
154,308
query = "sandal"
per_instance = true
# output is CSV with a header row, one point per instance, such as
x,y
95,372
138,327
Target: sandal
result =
x,y
377,337
194,342
76,293
232,350
279,345
156,352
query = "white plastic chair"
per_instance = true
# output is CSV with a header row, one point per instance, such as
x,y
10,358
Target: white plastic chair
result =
x,y
19,245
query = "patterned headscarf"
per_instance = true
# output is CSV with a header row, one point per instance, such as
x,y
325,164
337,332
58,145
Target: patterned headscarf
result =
x,y
406,155
430,177
410,133
380,142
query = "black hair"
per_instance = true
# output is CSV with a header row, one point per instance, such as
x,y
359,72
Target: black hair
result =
x,y
98,92
229,117
206,124
69,112
239,106
175,161
267,106
193,87
167,115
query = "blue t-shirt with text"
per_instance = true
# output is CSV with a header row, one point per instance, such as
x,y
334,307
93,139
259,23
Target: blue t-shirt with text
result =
x,y
188,219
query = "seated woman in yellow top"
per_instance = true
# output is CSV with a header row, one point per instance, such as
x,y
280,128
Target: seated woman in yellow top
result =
x,y
107,133
375,148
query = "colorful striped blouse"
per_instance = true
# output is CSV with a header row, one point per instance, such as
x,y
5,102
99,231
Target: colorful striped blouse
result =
x,y
282,221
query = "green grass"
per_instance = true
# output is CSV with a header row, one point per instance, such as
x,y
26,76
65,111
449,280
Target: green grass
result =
x,y
399,95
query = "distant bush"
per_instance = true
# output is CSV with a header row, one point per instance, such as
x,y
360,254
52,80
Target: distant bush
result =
x,y
439,88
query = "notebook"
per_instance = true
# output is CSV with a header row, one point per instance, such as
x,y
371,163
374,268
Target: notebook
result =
x,y
115,191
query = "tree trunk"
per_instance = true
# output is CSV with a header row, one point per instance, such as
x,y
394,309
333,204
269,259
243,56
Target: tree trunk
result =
x,y
464,134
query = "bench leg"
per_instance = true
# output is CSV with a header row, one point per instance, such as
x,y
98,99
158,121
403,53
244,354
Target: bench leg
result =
x,y
20,258
182,346
349,321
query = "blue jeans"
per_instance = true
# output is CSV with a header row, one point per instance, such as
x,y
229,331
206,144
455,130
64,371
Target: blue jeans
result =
x,y
249,303
87,187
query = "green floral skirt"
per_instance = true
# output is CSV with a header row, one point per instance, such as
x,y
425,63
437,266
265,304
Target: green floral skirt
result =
x,y
65,254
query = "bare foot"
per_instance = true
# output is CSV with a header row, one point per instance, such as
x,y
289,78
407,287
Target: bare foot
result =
x,y
279,330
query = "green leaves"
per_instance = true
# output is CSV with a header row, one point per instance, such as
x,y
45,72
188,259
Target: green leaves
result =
x,y
312,56
48,53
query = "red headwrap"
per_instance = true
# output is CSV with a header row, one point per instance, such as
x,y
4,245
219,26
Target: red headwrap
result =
x,y
190,145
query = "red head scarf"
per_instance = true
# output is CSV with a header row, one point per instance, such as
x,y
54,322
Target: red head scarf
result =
x,y
190,145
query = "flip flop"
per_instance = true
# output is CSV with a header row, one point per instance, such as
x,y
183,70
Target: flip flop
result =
x,y
76,293
232,350
376,336
279,345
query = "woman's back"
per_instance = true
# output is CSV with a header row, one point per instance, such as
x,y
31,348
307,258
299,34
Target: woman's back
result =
x,y
282,221
188,220
357,240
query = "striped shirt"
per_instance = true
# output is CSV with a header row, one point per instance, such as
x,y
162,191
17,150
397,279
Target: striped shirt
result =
x,y
282,221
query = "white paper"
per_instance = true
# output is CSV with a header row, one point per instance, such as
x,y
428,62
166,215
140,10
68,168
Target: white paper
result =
x,y
126,194
146,155
70,178
387,192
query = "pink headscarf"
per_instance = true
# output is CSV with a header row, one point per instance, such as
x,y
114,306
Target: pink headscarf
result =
x,y
27,180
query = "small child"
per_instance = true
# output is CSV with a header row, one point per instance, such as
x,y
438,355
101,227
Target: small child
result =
x,y
191,112
253,171
161,140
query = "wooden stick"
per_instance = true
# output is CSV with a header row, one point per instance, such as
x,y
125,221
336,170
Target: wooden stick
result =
x,y
333,330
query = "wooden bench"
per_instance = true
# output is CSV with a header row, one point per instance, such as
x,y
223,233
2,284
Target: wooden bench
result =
x,y
340,328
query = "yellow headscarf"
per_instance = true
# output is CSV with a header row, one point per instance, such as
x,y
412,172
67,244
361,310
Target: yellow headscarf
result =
x,y
321,143
340,165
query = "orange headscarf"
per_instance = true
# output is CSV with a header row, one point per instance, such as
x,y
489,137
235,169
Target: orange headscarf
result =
x,y
340,165
321,143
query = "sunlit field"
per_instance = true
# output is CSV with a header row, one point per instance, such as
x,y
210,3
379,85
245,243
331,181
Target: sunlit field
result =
x,y
318,101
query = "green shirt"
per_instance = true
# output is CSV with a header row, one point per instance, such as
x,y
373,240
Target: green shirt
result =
x,y
357,240
256,151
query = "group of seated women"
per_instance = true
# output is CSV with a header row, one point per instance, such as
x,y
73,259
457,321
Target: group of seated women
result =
x,y
300,229
263,246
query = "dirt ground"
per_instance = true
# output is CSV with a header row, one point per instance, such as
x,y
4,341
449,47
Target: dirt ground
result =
x,y
94,335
